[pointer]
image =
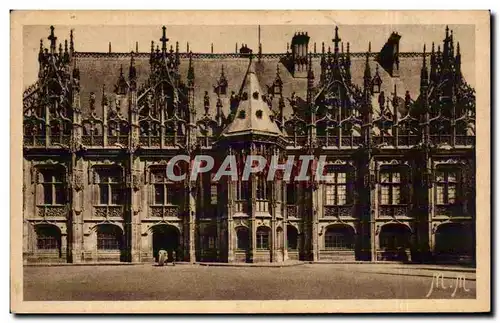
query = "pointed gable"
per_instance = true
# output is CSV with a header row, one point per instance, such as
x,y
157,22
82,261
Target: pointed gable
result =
x,y
252,114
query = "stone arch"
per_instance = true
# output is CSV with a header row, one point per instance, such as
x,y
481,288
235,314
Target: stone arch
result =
x,y
395,240
48,238
453,239
339,236
109,236
166,237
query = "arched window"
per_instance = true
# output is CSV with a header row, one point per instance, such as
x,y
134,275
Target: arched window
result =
x,y
242,238
263,238
109,237
452,238
394,237
339,237
48,238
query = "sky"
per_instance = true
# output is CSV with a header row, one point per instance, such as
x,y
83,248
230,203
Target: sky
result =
x,y
274,39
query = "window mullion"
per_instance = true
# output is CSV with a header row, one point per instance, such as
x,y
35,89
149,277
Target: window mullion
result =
x,y
109,189
53,195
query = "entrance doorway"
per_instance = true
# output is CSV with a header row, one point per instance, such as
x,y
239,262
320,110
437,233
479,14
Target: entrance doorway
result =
x,y
166,237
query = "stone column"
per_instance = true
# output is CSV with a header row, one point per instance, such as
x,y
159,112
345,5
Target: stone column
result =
x,y
315,223
75,227
285,220
192,213
373,210
136,202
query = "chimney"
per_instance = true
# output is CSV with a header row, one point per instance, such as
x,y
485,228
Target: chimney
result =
x,y
300,44
388,57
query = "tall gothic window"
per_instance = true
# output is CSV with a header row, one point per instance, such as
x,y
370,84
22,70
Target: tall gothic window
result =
x,y
242,190
110,185
263,234
446,186
263,188
338,187
242,238
291,193
164,191
52,185
393,183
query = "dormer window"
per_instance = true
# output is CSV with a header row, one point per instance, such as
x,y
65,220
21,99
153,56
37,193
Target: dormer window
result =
x,y
376,82
277,89
244,96
221,87
255,95
259,114
242,114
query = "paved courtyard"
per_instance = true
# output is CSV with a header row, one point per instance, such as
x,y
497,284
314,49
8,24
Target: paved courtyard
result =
x,y
196,282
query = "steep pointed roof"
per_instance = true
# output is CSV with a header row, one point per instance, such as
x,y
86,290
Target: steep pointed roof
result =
x,y
252,114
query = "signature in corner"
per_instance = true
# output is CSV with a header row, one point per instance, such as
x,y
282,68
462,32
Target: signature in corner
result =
x,y
438,279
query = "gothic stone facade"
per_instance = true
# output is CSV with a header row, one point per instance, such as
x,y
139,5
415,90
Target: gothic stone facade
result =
x,y
397,128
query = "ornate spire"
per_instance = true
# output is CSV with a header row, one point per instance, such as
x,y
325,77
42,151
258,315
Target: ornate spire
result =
x,y
458,63
423,75
52,39
132,72
190,75
348,56
104,100
40,53
71,43
336,40
310,73
218,116
164,39
367,77
177,57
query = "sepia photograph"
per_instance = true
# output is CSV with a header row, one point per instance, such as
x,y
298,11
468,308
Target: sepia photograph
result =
x,y
211,167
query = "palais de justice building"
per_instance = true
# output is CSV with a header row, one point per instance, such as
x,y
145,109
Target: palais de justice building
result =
x,y
398,130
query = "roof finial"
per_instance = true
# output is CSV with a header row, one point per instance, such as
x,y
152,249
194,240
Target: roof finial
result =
x,y
136,46
109,47
164,39
71,42
423,57
52,39
336,40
